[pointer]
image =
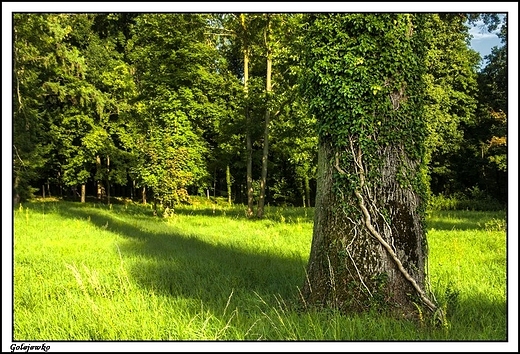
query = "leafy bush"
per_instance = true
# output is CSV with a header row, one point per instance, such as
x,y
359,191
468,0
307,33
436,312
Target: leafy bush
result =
x,y
496,225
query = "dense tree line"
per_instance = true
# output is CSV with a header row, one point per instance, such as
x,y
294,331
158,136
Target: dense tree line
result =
x,y
162,106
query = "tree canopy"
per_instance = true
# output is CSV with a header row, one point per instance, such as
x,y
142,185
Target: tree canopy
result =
x,y
165,105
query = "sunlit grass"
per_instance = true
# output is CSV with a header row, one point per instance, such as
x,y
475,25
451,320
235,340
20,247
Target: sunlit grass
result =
x,y
98,272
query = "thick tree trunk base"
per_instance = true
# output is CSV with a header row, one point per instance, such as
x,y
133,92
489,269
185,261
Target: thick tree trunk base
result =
x,y
349,269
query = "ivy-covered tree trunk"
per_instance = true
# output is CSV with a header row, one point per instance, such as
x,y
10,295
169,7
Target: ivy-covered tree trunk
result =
x,y
349,268
369,246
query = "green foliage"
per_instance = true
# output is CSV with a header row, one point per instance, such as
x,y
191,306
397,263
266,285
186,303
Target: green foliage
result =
x,y
84,85
178,81
99,86
481,157
451,86
496,225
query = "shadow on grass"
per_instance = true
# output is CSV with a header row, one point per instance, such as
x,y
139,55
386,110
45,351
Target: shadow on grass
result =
x,y
452,225
462,220
288,215
478,318
183,266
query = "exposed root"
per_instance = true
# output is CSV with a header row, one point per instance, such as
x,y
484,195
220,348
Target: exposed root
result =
x,y
368,223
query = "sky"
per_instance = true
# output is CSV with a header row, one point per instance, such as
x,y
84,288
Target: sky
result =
x,y
483,40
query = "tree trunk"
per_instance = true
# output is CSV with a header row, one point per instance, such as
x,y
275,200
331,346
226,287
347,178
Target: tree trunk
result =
x,y
83,192
108,180
60,185
99,186
228,183
307,190
249,144
143,195
215,184
349,267
265,153
16,195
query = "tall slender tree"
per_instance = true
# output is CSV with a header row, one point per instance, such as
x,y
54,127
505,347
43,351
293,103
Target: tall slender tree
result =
x,y
268,89
249,144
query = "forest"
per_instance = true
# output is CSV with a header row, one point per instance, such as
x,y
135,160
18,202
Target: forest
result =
x,y
158,107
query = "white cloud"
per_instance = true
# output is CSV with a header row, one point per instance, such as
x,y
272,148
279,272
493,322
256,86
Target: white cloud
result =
x,y
479,32
477,35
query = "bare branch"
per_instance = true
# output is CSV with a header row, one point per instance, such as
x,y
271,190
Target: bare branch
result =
x,y
18,155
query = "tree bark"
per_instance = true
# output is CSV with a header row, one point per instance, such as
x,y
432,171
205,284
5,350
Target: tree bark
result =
x,y
83,192
349,268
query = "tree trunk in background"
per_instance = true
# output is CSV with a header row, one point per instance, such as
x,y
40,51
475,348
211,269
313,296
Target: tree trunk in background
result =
x,y
98,182
143,195
83,192
307,191
265,153
16,195
228,184
215,184
348,267
249,144
108,180
60,185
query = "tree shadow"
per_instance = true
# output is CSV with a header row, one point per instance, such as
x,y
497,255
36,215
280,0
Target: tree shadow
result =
x,y
479,318
460,220
183,266
288,215
452,225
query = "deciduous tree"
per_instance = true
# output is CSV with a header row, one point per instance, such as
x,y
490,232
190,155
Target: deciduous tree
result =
x,y
365,87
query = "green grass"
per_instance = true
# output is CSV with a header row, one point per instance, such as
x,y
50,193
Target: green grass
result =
x,y
97,272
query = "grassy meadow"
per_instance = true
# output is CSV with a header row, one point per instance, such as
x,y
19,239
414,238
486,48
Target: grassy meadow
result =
x,y
115,272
